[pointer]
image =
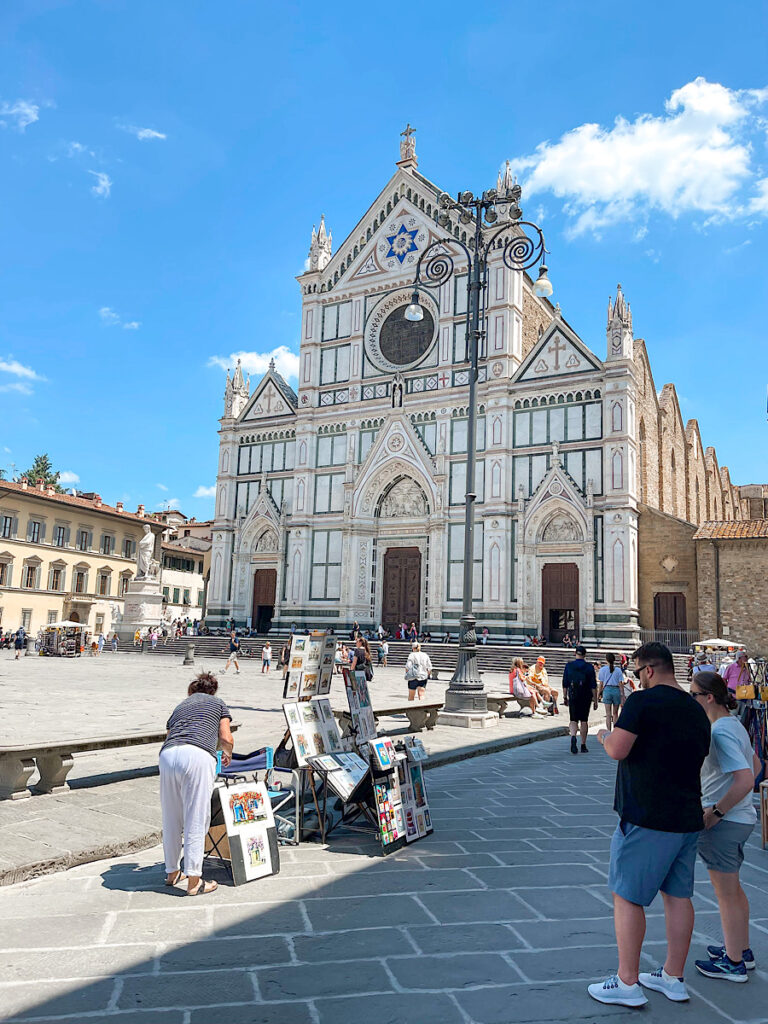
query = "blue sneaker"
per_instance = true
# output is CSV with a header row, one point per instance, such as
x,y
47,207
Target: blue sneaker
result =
x,y
722,967
715,952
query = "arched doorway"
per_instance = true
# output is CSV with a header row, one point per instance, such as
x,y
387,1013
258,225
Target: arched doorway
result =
x,y
401,596
263,607
559,600
74,617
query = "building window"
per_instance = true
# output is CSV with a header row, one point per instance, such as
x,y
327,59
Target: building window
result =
x,y
325,580
459,435
166,592
329,492
458,482
558,423
123,585
337,321
270,457
200,599
26,619
334,365
30,577
83,540
513,561
367,437
81,581
52,616
428,434
185,597
456,562
57,579
103,584
175,595
7,527
599,561
331,450
107,544
60,536
281,489
33,534
5,574
129,547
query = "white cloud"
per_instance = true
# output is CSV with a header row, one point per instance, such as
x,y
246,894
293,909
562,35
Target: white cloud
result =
x,y
103,186
143,133
735,248
6,450
696,157
286,362
13,366
205,492
19,386
19,114
112,319
162,487
68,477
166,506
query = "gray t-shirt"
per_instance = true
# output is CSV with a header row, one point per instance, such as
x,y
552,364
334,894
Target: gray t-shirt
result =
x,y
730,751
196,721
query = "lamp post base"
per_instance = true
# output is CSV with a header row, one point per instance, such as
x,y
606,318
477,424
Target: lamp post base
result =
x,y
468,719
466,703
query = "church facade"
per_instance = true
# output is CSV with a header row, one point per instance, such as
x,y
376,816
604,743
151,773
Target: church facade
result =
x,y
344,500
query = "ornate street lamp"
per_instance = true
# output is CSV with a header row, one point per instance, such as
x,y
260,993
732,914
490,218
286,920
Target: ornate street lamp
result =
x,y
523,248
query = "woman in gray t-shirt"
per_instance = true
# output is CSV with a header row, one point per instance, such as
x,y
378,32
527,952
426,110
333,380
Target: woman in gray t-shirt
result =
x,y
197,726
727,781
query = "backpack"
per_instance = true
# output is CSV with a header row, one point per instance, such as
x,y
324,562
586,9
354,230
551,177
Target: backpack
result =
x,y
578,684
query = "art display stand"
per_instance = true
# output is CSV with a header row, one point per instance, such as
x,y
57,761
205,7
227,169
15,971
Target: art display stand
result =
x,y
242,833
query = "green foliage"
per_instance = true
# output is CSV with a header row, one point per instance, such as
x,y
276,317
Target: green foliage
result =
x,y
42,469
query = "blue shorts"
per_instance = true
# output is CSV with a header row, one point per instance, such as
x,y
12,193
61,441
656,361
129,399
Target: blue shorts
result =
x,y
611,695
645,862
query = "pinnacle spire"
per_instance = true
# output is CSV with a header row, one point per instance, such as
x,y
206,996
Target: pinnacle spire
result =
x,y
320,247
505,181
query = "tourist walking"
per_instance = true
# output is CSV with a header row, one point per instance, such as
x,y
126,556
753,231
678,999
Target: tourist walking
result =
x,y
660,741
285,655
114,643
234,652
611,690
703,663
361,658
266,657
100,642
197,726
383,653
418,669
727,781
580,690
19,642
737,673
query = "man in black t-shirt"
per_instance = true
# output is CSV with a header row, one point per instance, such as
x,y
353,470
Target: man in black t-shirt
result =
x,y
660,741
580,688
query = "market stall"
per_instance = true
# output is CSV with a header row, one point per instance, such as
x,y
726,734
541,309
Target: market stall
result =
x,y
64,639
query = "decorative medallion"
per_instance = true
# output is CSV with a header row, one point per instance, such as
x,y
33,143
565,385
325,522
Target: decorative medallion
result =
x,y
494,524
555,487
394,343
396,442
401,242
669,563
497,370
304,399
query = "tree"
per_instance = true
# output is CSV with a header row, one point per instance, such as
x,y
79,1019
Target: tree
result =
x,y
42,469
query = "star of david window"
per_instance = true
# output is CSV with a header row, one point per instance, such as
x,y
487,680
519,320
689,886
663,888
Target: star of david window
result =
x,y
402,341
401,243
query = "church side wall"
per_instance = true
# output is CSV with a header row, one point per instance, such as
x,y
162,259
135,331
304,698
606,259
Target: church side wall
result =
x,y
667,564
697,477
647,413
674,462
743,587
536,318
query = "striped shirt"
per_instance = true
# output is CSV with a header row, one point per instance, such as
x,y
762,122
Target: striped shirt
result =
x,y
196,721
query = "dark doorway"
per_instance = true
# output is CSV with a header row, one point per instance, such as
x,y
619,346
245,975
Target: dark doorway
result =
x,y
669,611
402,587
264,589
559,600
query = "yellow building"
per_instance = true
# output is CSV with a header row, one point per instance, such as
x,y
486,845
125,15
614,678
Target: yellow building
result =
x,y
64,557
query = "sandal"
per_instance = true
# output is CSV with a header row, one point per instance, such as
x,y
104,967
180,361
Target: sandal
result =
x,y
203,888
178,876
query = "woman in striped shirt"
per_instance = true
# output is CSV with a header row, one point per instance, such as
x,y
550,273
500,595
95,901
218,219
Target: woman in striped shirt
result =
x,y
197,726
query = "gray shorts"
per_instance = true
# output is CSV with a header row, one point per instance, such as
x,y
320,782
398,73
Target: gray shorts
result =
x,y
722,846
645,862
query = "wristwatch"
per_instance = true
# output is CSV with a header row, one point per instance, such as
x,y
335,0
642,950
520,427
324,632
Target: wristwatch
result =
x,y
717,812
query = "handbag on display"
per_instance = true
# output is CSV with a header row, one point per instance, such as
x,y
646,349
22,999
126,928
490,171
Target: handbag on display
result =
x,y
746,692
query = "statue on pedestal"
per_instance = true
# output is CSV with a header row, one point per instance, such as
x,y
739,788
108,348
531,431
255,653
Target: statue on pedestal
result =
x,y
144,553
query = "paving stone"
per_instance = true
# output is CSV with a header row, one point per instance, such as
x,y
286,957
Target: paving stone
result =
x,y
470,938
252,1013
558,845
373,883
458,860
258,919
567,963
523,875
494,845
61,930
331,915
185,990
569,932
54,999
128,1017
365,942
452,972
159,925
223,953
394,1008
486,905
537,1004
90,962
314,980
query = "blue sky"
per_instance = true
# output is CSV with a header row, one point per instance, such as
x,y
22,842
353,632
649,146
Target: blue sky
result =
x,y
162,164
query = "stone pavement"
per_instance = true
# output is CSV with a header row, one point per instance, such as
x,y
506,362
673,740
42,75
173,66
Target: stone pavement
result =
x,y
501,915
48,698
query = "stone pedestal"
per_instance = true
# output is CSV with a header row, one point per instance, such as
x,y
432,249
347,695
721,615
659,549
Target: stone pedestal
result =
x,y
468,719
143,606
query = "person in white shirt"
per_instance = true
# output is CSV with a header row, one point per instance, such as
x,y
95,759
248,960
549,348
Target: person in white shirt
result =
x,y
418,669
610,680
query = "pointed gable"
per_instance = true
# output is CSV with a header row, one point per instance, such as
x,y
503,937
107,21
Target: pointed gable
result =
x,y
559,352
273,398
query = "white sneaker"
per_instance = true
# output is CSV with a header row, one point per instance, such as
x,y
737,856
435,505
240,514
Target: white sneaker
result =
x,y
613,990
673,988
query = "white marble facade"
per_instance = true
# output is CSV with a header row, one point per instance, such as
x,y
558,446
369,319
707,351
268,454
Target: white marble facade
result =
x,y
317,488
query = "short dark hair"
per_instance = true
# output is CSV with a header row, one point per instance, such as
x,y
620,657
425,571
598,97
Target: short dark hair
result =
x,y
655,654
581,650
712,682
204,682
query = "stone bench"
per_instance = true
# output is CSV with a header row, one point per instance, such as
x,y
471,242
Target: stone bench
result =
x,y
419,715
498,702
54,761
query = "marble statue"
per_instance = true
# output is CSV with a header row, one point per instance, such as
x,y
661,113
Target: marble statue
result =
x,y
144,553
561,528
405,499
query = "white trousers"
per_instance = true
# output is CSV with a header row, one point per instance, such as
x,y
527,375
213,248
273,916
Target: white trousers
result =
x,y
186,783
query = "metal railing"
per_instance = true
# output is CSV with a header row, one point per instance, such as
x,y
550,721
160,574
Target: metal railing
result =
x,y
677,640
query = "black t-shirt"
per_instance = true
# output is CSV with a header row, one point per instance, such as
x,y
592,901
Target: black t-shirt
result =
x,y
579,680
658,786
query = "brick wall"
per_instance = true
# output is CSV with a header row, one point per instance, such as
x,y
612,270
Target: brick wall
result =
x,y
648,429
535,316
743,591
665,539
